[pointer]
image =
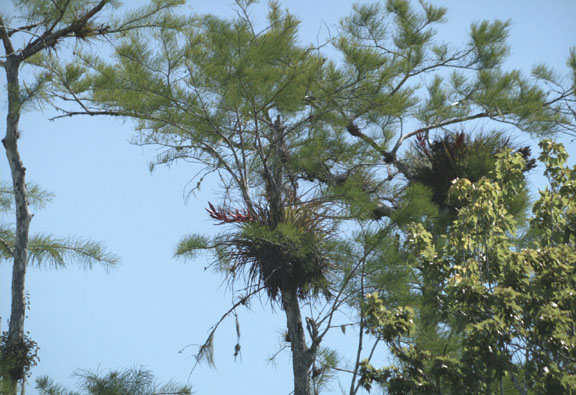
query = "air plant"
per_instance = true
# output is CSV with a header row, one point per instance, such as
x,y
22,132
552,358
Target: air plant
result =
x,y
292,256
437,163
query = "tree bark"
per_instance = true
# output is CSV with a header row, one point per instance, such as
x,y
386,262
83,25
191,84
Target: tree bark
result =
x,y
301,354
23,215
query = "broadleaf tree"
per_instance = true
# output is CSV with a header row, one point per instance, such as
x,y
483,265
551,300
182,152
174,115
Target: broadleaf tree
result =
x,y
510,304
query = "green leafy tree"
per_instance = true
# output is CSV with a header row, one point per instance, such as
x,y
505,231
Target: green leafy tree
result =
x,y
30,37
433,165
510,306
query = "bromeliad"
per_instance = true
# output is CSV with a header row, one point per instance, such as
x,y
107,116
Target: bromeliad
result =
x,y
226,216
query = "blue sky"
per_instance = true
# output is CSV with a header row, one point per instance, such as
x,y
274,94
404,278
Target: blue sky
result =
x,y
152,306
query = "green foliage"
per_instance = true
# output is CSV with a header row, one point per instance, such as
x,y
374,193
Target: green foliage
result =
x,y
296,141
222,71
47,250
46,13
391,51
489,41
387,324
63,20
511,309
416,204
46,386
115,382
190,245
322,371
37,197
556,216
458,155
294,256
356,192
392,280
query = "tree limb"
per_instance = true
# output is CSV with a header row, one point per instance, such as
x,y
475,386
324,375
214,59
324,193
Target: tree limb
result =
x,y
6,38
436,126
48,39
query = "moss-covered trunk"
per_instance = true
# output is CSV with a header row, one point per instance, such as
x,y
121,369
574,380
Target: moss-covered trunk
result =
x,y
15,339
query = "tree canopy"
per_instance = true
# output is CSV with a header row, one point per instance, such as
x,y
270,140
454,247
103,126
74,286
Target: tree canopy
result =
x,y
354,190
509,302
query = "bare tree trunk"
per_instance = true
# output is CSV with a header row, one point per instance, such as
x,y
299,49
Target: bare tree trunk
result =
x,y
301,354
23,217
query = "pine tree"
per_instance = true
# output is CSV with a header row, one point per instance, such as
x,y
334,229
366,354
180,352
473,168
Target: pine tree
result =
x,y
42,27
296,139
44,251
241,101
114,382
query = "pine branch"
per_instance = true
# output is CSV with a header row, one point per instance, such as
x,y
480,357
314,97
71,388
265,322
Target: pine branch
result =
x,y
57,252
37,197
49,40
7,247
355,131
89,112
6,38
437,126
23,29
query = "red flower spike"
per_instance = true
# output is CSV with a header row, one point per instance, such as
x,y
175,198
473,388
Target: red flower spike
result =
x,y
227,216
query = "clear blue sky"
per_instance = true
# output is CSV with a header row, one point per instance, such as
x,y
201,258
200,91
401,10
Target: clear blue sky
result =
x,y
152,306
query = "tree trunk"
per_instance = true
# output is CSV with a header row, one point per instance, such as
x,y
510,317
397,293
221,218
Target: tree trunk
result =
x,y
275,195
23,217
301,354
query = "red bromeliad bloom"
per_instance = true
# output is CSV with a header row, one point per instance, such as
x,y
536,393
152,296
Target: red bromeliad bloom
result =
x,y
421,138
227,216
